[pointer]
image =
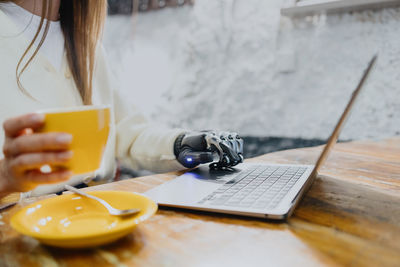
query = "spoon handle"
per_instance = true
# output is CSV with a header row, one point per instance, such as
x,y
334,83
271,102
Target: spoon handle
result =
x,y
75,190
7,205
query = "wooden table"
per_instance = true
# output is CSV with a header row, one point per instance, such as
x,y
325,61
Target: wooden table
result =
x,y
350,216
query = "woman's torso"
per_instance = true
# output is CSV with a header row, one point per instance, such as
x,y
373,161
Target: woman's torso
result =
x,y
48,83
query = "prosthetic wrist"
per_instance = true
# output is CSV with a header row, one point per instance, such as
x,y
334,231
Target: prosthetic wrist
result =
x,y
223,149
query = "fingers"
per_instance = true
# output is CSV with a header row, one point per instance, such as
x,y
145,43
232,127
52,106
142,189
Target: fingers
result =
x,y
231,153
36,176
14,126
232,145
37,143
237,145
33,161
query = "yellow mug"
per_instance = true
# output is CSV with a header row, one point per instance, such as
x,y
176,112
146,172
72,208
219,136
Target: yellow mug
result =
x,y
89,127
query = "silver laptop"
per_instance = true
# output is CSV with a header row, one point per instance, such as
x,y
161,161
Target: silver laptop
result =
x,y
251,189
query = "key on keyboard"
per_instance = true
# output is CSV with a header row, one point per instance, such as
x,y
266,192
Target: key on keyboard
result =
x,y
257,187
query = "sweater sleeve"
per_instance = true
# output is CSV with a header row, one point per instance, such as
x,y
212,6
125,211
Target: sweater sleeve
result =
x,y
140,144
143,145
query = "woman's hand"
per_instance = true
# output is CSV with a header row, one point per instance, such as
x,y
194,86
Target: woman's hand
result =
x,y
25,152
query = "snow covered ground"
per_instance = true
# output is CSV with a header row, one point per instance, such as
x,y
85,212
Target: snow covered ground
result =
x,y
238,65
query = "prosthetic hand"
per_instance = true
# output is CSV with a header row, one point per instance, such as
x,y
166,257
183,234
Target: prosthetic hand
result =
x,y
196,148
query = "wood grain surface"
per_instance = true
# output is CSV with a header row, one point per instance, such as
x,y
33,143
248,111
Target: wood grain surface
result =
x,y
350,217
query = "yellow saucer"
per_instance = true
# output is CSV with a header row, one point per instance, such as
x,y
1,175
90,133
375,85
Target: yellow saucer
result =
x,y
72,221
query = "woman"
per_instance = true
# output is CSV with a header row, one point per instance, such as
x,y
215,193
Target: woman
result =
x,y
51,58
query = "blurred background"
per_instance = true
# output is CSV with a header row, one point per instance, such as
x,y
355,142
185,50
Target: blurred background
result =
x,y
280,81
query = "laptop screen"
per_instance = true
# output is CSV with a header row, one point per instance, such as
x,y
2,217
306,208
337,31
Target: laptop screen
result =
x,y
339,126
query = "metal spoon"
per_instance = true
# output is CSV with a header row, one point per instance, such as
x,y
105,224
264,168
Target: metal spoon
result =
x,y
112,210
7,205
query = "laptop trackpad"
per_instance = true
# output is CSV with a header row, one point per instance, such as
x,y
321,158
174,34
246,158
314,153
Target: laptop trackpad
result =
x,y
192,186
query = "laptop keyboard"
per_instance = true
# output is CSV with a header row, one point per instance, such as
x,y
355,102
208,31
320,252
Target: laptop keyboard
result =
x,y
257,187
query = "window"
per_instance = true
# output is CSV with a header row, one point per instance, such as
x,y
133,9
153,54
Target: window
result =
x,y
310,7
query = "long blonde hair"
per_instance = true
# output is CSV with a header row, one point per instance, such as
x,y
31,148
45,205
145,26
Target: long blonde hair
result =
x,y
82,24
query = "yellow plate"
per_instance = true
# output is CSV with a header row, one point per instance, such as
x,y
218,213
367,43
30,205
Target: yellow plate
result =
x,y
72,221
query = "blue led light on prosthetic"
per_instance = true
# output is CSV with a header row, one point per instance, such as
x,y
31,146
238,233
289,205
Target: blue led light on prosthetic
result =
x,y
189,159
